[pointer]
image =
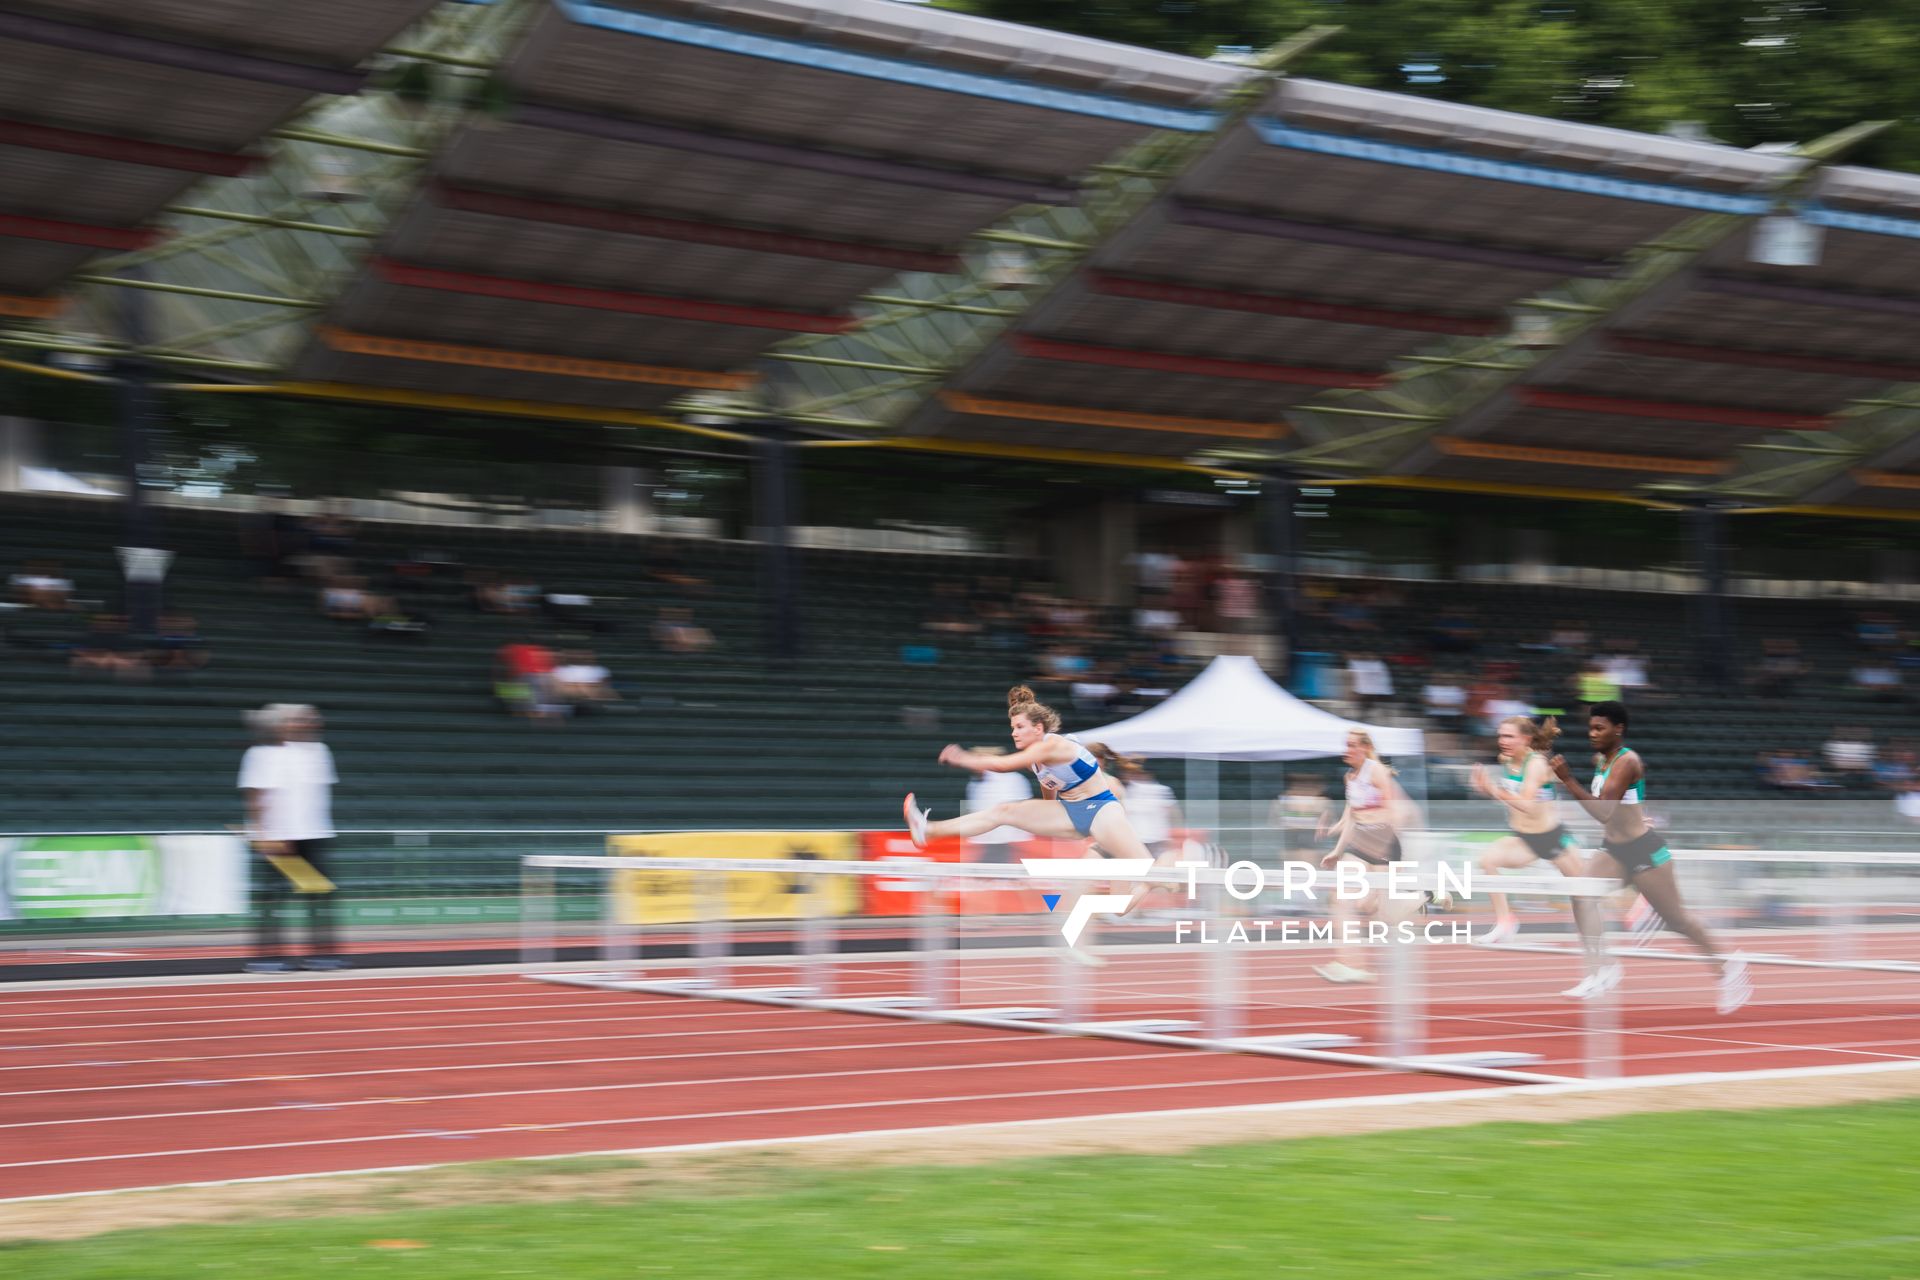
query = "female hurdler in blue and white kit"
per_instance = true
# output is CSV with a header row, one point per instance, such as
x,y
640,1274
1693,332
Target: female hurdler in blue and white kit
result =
x,y
1083,802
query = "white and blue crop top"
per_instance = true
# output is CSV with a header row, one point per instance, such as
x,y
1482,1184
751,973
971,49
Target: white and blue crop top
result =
x,y
1076,772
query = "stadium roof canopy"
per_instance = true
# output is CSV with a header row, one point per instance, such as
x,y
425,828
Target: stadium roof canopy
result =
x,y
882,222
1327,234
667,197
109,111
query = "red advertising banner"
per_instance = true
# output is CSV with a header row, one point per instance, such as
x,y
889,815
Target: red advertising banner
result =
x,y
903,897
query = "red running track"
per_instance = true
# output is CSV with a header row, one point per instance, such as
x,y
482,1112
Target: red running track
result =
x,y
150,1085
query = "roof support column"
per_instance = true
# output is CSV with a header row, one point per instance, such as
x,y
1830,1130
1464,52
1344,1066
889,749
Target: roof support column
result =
x,y
143,576
1280,534
775,504
1711,625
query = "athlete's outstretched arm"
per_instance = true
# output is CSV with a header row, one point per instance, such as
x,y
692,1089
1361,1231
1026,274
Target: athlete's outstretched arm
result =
x,y
1046,751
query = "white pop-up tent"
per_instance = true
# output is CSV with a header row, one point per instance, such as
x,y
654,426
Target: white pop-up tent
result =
x,y
1232,711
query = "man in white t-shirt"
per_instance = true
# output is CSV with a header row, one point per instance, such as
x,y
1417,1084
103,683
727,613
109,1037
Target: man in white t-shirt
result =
x,y
287,781
1369,680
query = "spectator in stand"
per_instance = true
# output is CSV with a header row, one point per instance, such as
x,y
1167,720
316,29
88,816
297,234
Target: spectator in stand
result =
x,y
1627,667
1595,683
1064,662
580,682
1155,571
43,584
177,645
1781,668
1503,706
108,647
1001,625
1786,771
487,593
522,672
1850,753
1569,637
574,609
1093,695
1236,603
1878,679
1480,695
1896,770
1877,631
1369,681
1444,698
1156,618
389,619
346,599
677,632
521,594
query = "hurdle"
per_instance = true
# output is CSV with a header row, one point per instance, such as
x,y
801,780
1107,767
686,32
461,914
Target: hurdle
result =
x,y
819,950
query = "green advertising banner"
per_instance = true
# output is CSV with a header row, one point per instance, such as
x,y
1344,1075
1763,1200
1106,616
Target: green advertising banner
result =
x,y
98,877
83,877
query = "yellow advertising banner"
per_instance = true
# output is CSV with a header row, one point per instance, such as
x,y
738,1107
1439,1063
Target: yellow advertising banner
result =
x,y
667,897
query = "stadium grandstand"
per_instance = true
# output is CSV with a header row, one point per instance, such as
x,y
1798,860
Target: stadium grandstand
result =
x,y
629,430
1207,279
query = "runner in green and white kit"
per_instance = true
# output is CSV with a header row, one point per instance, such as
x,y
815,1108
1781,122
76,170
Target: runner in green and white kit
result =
x,y
1633,851
1526,790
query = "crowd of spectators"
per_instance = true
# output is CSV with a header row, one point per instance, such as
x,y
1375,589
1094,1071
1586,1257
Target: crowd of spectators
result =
x,y
44,613
550,671
1851,759
1102,662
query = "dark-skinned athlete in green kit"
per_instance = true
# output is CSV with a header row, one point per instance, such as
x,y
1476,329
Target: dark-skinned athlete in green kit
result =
x,y
1633,851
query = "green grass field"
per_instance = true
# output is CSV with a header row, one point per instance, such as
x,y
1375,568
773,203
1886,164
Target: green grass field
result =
x,y
1828,1192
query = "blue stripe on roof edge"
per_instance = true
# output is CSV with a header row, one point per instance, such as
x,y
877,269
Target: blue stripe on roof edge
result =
x,y
1879,224
1295,138
899,70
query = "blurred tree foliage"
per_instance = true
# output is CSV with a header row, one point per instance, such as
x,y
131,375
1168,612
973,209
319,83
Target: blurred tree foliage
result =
x,y
1744,71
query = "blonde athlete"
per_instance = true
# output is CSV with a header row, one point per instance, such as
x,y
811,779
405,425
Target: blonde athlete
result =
x,y
1525,788
1084,804
1368,830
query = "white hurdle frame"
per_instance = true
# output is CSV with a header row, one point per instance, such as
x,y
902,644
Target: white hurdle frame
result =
x,y
934,984
1841,884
